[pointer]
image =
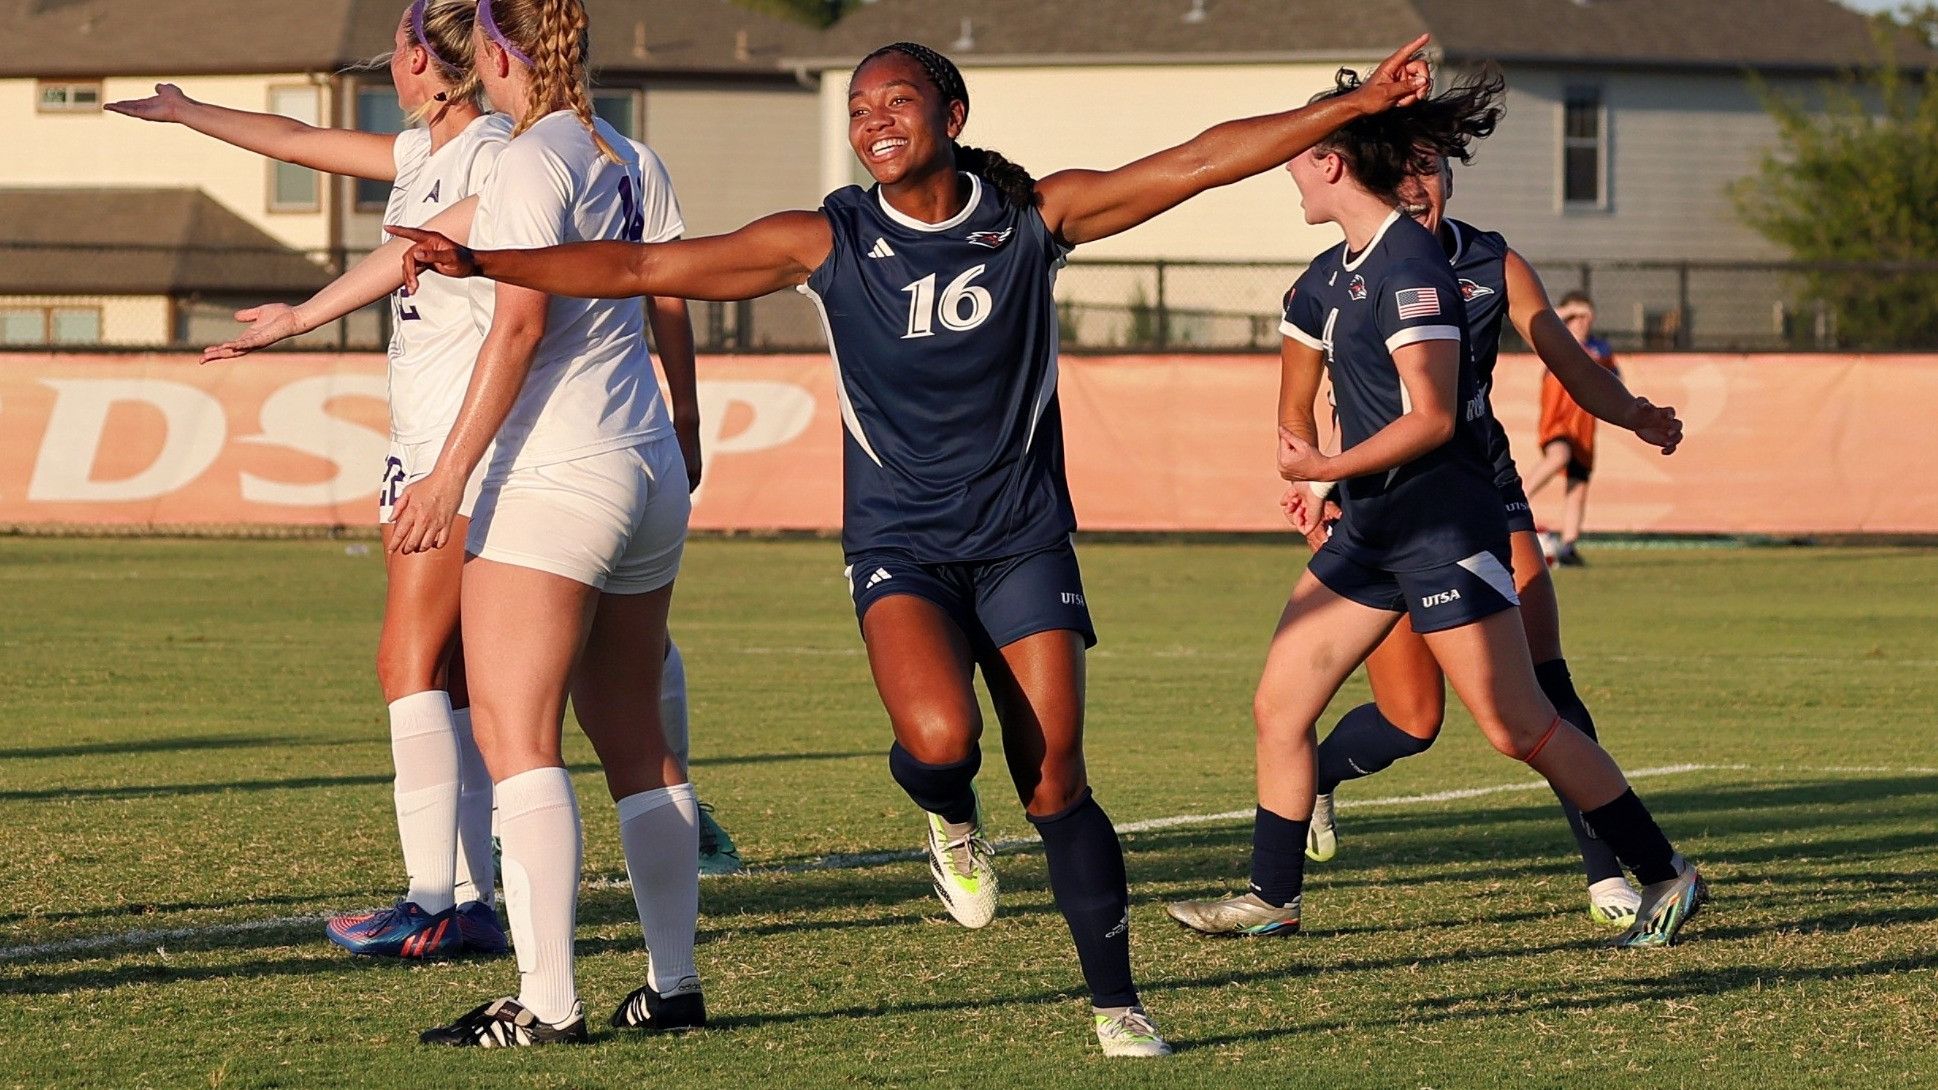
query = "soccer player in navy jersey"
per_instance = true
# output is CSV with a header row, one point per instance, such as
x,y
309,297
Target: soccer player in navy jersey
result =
x,y
1421,533
1409,692
935,285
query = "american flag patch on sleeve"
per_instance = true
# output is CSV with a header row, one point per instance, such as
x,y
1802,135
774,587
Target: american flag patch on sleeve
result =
x,y
1418,302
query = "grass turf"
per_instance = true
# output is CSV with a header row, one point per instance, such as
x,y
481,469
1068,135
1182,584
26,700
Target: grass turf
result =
x,y
196,753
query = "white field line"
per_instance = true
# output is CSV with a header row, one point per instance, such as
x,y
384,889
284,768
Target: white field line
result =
x,y
160,938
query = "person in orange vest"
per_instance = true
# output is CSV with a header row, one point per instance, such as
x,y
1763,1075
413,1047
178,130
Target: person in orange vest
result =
x,y
1567,431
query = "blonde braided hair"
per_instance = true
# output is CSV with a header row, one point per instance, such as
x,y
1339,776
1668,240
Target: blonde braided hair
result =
x,y
448,25
554,34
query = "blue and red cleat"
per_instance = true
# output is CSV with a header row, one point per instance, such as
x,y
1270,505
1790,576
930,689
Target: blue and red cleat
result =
x,y
403,930
478,923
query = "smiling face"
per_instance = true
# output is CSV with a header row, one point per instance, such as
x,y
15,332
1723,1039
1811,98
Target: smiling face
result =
x,y
1424,196
898,123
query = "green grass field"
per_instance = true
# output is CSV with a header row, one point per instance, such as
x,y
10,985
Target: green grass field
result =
x,y
195,767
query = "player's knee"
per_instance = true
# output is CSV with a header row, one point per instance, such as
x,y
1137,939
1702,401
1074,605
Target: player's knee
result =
x,y
403,670
1523,742
1054,792
1421,717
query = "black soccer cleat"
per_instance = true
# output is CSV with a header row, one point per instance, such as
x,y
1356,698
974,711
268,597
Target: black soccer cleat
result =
x,y
646,1009
504,1023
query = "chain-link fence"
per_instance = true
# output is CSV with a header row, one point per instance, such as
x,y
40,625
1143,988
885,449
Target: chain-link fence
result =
x,y
116,298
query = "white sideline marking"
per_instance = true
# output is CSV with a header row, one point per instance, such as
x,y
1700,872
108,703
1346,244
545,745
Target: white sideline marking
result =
x,y
871,859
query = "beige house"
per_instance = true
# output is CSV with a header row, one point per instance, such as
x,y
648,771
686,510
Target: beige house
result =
x,y
699,79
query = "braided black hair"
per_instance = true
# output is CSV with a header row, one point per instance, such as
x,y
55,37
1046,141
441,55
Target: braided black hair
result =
x,y
1384,150
1007,178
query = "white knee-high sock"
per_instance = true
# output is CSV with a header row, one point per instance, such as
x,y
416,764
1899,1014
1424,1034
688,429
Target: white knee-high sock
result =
x,y
672,704
538,825
423,745
477,874
660,833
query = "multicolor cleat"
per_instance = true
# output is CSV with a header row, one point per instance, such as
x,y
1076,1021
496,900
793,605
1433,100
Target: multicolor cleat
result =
x,y
1128,1031
505,1023
717,852
959,865
1665,908
1322,834
682,1008
483,934
403,930
1248,915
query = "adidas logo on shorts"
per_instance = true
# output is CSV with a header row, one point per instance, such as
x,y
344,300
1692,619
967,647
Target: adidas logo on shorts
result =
x,y
881,575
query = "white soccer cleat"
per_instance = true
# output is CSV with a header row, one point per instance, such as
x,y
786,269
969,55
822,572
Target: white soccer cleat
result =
x,y
1243,915
1322,834
959,858
1128,1031
1665,908
1612,902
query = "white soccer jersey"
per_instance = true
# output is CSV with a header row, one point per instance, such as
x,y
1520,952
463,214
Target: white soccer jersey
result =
x,y
659,207
591,386
434,341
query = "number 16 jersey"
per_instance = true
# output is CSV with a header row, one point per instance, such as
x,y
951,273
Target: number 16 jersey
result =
x,y
944,340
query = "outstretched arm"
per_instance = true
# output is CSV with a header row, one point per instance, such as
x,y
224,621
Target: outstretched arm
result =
x,y
377,275
333,151
1594,387
1085,205
775,252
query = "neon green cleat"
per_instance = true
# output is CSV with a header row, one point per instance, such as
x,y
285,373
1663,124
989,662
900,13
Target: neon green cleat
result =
x,y
1322,835
1128,1031
1612,902
717,852
1665,908
959,864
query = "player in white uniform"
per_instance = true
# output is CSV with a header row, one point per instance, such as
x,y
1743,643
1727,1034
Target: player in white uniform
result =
x,y
573,548
442,792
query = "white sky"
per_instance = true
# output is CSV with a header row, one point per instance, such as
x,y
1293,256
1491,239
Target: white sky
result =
x,y
1872,5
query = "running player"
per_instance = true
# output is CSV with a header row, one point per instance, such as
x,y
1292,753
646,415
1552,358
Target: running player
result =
x,y
935,286
1567,430
1408,686
442,793
1421,532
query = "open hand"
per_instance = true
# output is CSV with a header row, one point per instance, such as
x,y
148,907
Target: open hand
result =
x,y
421,519
268,324
433,253
1400,80
168,103
1656,425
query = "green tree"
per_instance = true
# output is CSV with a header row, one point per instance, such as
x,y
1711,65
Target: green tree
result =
x,y
1855,181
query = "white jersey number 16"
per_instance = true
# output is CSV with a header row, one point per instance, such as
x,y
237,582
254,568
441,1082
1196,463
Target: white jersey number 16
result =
x,y
923,310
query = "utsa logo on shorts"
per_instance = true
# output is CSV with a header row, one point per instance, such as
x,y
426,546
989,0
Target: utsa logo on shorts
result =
x,y
1439,599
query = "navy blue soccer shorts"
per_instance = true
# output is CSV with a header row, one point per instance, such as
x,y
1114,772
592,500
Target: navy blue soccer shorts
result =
x,y
1437,599
994,602
1520,515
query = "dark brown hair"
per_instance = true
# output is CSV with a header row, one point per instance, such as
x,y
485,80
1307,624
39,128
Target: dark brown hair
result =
x,y
1384,150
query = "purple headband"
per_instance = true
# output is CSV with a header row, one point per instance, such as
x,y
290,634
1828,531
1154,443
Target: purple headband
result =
x,y
491,30
417,27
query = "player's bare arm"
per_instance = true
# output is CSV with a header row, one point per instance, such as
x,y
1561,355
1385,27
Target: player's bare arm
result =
x,y
1302,370
377,275
1082,206
333,151
673,344
1430,372
767,255
1594,387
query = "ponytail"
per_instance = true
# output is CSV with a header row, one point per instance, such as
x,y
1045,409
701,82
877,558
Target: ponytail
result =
x,y
1007,178
550,37
1384,150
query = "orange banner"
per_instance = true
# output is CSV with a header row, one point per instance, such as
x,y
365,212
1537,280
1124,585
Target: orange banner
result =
x,y
1775,444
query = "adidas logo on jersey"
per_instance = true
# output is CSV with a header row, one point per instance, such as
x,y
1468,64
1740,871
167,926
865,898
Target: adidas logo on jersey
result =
x,y
881,576
881,249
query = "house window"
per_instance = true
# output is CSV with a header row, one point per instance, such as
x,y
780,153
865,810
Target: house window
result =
x,y
293,188
620,109
1584,149
50,325
377,111
69,97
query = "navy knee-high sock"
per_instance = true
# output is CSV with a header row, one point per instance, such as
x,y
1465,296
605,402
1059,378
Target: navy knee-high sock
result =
x,y
940,789
1363,743
1630,829
1597,858
1086,864
1278,857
